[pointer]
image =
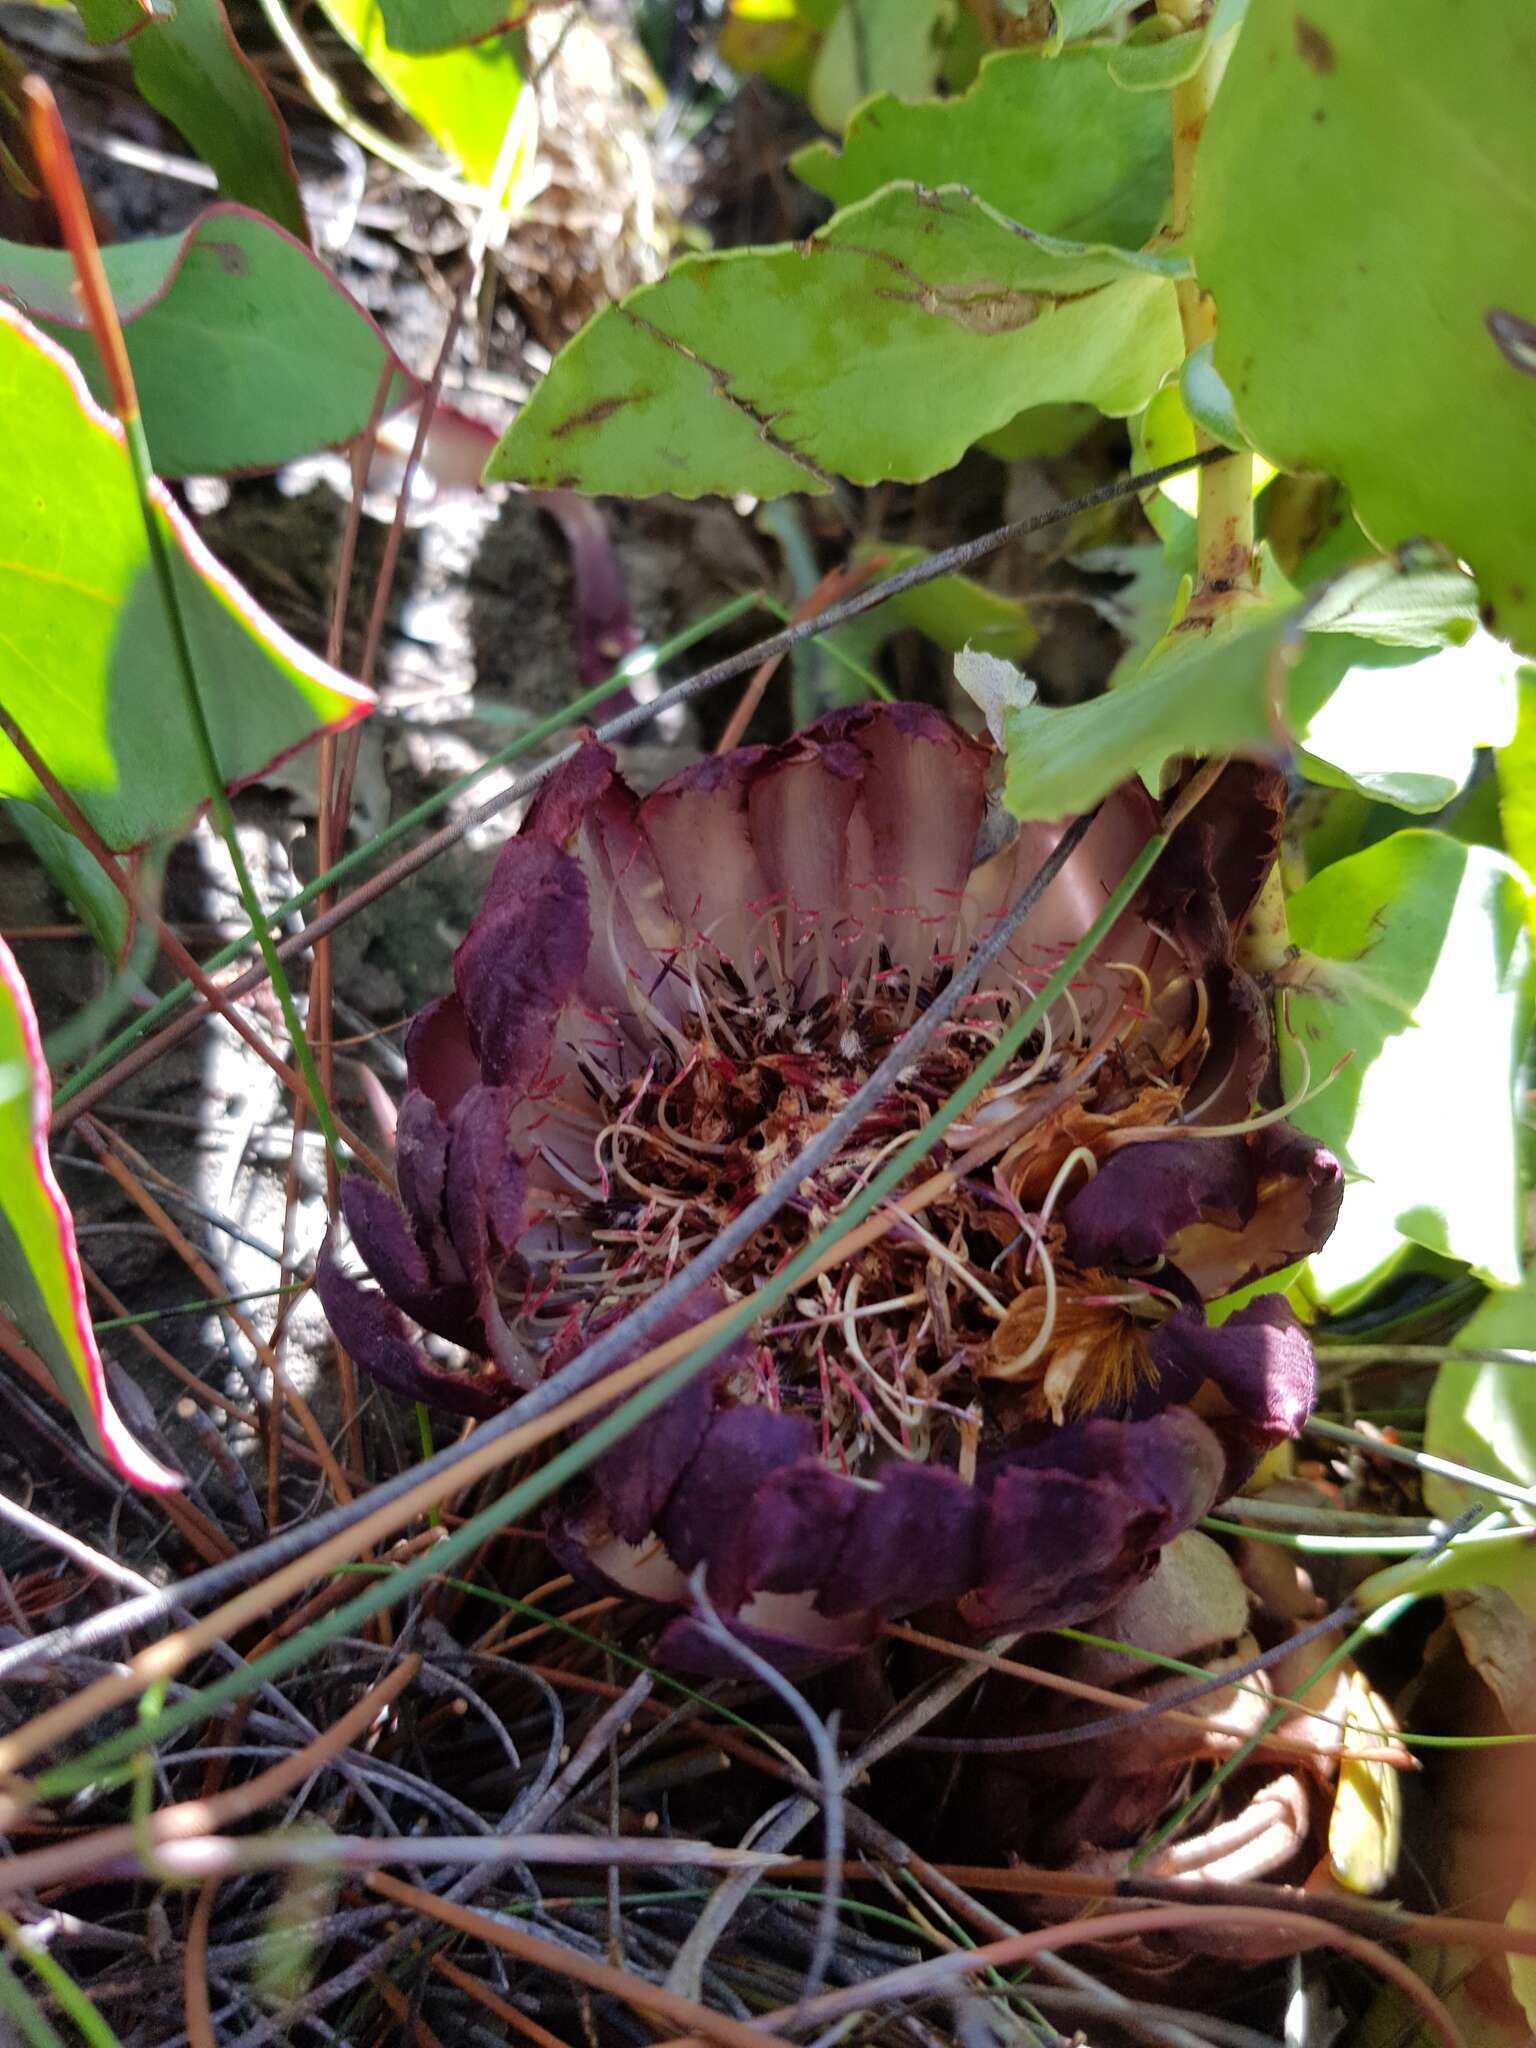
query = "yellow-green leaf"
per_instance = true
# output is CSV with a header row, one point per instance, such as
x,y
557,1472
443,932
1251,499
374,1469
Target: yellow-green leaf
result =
x,y
90,670
41,1285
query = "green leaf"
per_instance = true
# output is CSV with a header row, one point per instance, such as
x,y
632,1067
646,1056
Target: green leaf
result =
x,y
1248,688
881,348
1040,430
91,677
1517,779
77,876
1404,726
113,21
189,67
1364,207
1482,1415
1413,961
225,325
875,46
421,26
41,1284
1053,143
1195,694
463,98
953,612
1206,399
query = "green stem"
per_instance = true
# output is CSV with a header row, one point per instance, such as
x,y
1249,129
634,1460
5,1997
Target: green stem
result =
x,y
218,798
1224,517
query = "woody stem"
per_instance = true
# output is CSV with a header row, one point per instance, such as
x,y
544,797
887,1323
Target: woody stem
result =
x,y
1224,520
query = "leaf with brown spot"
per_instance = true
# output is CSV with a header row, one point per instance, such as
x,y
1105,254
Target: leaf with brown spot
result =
x,y
909,326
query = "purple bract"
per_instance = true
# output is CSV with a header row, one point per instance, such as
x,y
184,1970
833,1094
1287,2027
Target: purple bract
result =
x,y
1010,1400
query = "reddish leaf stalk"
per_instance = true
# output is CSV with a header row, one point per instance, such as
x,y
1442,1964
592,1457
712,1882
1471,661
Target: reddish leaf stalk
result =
x,y
51,145
320,985
176,951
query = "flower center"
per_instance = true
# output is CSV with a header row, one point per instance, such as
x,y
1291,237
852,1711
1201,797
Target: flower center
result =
x,y
957,1324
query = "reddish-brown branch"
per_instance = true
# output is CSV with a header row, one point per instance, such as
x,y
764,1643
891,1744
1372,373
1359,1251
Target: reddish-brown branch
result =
x,y
119,1160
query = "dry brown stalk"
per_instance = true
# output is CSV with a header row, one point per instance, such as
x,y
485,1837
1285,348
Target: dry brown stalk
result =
x,y
117,1157
519,2022
650,1999
197,2008
201,1535
1101,1695
64,1861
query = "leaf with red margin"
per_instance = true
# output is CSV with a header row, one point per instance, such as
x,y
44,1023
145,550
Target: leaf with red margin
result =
x,y
224,325
423,26
90,672
41,1283
189,67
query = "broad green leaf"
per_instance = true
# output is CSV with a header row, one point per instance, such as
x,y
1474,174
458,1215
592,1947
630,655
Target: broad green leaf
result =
x,y
1159,580
1413,961
952,612
1404,726
1503,1562
875,46
113,21
1053,143
41,1285
421,26
880,349
1364,211
1158,54
1517,779
1196,693
1206,399
225,326
189,67
90,675
1252,688
463,98
1482,1415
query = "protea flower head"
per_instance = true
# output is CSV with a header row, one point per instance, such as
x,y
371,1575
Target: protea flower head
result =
x,y
1008,1402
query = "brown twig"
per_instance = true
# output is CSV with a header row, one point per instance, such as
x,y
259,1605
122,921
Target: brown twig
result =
x,y
221,1002
494,2004
111,1152
330,830
1104,1696
924,1979
831,590
196,2005
649,1999
62,1862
